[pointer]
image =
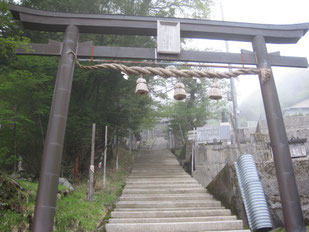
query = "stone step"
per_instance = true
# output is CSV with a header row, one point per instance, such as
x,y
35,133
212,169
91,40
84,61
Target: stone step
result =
x,y
176,173
157,179
159,175
167,204
158,182
160,171
168,209
151,185
161,180
174,226
160,196
171,213
177,219
171,186
164,165
165,197
226,231
154,162
167,191
156,168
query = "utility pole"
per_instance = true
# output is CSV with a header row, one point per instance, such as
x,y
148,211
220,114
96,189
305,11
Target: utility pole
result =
x,y
232,84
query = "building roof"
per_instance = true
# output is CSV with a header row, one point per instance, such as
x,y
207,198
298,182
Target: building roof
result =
x,y
301,104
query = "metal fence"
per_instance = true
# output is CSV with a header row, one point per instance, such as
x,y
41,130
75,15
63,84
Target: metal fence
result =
x,y
252,194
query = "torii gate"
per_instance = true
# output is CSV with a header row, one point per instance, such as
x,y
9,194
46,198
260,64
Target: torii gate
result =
x,y
73,24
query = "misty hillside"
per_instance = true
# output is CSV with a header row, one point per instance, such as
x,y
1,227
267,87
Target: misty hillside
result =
x,y
292,86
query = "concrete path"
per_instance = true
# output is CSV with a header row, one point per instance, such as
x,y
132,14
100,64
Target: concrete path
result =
x,y
160,196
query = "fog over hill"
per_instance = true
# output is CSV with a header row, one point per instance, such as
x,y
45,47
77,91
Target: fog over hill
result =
x,y
292,86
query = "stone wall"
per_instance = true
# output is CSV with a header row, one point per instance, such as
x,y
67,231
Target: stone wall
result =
x,y
210,159
225,188
296,126
268,178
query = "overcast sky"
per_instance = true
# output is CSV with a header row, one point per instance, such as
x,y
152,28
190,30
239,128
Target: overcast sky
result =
x,y
265,12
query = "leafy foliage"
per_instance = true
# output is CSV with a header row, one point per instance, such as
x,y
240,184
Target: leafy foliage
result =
x,y
103,97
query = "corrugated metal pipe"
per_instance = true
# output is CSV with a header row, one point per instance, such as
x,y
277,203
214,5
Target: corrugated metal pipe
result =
x,y
252,194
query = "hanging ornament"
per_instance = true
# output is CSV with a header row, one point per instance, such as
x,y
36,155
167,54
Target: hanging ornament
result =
x,y
141,86
215,92
179,91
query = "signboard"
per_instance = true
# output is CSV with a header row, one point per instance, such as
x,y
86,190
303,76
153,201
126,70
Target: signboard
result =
x,y
297,150
192,135
210,134
168,37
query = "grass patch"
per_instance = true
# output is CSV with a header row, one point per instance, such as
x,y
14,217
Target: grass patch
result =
x,y
73,212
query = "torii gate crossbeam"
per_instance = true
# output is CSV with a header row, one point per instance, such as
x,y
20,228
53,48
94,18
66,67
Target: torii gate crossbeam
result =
x,y
73,24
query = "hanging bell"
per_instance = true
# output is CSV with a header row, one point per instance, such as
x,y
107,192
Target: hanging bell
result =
x,y
215,92
141,87
179,91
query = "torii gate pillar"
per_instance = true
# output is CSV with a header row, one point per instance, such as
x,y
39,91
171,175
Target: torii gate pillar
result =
x,y
51,161
291,208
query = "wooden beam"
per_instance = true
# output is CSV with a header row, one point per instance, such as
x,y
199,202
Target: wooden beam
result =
x,y
53,48
147,26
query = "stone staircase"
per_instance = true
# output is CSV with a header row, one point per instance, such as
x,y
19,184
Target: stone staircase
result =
x,y
160,196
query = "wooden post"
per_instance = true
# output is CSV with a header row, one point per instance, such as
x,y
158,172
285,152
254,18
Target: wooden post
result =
x,y
91,168
105,151
116,151
182,137
51,160
192,158
236,134
291,207
130,141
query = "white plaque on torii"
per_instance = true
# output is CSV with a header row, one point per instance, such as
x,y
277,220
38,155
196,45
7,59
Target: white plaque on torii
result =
x,y
168,37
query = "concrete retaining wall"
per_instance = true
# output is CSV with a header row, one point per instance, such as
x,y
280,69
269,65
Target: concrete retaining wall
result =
x,y
225,188
210,159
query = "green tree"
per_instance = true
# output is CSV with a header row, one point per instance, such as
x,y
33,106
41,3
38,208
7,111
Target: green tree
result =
x,y
195,110
100,96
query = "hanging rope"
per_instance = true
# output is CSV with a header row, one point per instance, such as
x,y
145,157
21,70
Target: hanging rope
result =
x,y
171,72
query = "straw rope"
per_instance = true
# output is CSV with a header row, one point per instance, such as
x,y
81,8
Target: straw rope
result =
x,y
171,72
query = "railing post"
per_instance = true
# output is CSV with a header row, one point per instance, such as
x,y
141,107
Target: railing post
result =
x,y
292,213
52,154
